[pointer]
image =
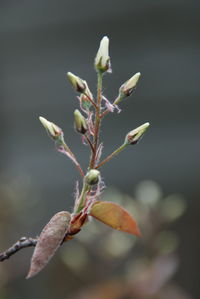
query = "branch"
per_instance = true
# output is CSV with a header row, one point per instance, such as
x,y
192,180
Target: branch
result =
x,y
22,243
117,151
66,150
89,142
91,101
97,120
25,242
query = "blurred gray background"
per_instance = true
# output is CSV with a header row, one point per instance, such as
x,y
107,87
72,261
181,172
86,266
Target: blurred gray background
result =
x,y
40,42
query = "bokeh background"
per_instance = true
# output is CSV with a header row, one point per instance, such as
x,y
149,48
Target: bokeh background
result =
x,y
40,42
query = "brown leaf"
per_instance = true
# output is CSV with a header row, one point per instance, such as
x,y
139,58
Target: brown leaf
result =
x,y
115,216
49,241
76,223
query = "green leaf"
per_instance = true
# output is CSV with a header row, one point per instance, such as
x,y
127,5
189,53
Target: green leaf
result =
x,y
115,216
48,242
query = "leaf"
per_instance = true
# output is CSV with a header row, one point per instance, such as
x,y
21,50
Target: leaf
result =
x,y
48,242
76,223
115,216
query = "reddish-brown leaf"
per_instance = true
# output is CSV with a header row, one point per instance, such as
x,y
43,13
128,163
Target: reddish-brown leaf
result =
x,y
49,241
115,216
76,223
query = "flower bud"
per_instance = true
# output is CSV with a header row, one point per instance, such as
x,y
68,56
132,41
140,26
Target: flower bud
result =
x,y
80,122
127,88
92,177
135,135
53,130
77,83
102,60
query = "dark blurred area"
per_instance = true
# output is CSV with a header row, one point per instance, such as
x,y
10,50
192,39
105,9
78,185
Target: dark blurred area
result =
x,y
40,42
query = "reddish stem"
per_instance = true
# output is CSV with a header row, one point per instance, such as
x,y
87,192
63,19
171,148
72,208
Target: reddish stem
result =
x,y
91,101
97,120
89,142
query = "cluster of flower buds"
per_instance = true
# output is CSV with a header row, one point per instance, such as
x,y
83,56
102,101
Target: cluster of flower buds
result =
x,y
85,125
64,225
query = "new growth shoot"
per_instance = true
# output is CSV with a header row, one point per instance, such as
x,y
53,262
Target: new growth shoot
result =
x,y
64,225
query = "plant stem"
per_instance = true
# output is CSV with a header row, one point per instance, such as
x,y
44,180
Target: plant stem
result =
x,y
73,158
22,243
97,119
89,142
91,101
86,188
118,99
116,152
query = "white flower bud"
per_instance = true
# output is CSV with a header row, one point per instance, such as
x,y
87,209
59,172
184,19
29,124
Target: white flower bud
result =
x,y
77,83
80,122
53,130
127,88
135,135
102,60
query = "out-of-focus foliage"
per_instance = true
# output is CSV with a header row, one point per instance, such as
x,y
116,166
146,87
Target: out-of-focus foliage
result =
x,y
121,266
17,197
